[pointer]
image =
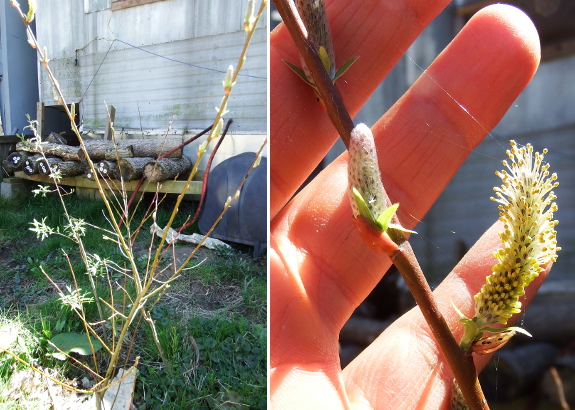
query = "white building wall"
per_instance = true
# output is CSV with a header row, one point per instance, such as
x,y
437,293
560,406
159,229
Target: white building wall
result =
x,y
153,62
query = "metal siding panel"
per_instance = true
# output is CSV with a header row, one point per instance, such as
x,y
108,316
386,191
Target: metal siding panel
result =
x,y
548,102
161,22
132,80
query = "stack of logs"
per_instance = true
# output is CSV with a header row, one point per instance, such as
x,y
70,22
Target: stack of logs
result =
x,y
126,160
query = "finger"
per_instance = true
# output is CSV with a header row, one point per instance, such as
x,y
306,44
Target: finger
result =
x,y
403,367
301,133
316,242
425,137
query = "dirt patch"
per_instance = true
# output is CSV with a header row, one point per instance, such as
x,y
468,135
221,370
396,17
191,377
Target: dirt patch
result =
x,y
192,297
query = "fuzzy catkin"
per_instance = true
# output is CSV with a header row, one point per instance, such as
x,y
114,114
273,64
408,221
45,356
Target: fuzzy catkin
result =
x,y
363,172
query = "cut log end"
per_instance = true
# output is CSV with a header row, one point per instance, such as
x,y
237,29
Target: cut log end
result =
x,y
129,169
30,166
16,159
46,166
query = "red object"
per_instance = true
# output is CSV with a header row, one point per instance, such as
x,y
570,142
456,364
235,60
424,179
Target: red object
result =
x,y
377,240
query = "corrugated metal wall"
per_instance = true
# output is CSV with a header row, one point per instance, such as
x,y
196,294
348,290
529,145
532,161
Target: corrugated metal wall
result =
x,y
136,72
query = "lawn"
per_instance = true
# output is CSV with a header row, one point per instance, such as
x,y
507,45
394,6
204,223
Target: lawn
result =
x,y
207,348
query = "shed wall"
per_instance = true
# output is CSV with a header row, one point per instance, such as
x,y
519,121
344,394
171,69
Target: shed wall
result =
x,y
543,115
153,62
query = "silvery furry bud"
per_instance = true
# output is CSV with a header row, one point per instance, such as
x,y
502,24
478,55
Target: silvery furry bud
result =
x,y
363,172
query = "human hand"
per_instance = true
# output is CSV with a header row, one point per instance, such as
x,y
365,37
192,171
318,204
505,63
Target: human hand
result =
x,y
320,268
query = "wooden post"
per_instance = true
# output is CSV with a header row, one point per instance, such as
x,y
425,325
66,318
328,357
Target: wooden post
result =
x,y
111,117
40,119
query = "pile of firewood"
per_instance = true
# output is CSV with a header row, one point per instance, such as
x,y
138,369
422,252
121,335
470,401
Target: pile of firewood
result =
x,y
127,160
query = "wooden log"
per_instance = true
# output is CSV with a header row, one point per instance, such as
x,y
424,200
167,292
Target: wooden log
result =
x,y
66,152
100,149
550,314
167,168
129,148
515,371
89,174
153,147
129,169
96,149
120,152
7,167
70,168
30,166
56,139
107,167
16,159
45,165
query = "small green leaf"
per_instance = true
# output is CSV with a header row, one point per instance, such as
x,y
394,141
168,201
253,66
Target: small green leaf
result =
x,y
385,218
362,207
31,11
322,54
400,228
341,71
300,73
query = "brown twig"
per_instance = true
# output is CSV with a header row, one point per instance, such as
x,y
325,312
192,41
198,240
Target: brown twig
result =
x,y
206,176
404,259
328,92
137,188
461,364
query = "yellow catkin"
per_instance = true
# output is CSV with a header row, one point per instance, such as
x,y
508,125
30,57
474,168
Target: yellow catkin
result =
x,y
529,239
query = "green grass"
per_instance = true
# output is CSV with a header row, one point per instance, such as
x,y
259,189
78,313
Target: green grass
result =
x,y
211,324
236,349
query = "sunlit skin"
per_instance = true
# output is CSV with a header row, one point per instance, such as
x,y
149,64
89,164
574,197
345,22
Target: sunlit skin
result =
x,y
320,268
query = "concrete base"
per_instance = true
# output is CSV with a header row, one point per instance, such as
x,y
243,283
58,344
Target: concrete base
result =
x,y
14,188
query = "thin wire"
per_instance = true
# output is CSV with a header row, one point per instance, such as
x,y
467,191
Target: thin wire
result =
x,y
188,64
96,73
154,54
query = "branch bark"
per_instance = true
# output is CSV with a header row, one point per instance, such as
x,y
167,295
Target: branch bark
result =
x,y
328,92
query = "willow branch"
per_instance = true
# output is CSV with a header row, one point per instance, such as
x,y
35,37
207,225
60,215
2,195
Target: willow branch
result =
x,y
327,91
461,364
